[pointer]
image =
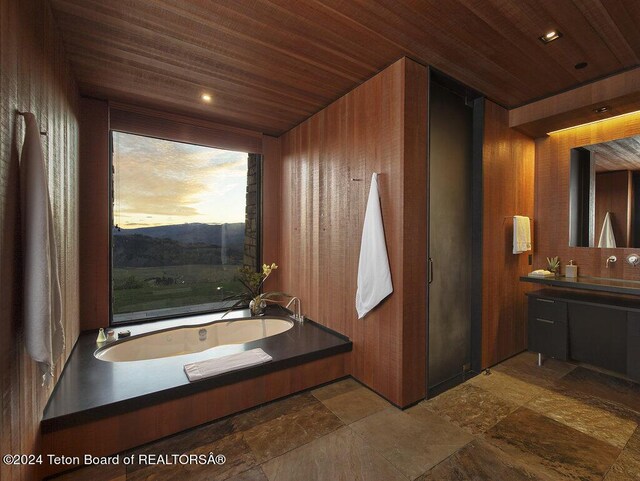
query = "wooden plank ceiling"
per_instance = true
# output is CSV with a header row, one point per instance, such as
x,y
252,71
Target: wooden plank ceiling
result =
x,y
621,154
269,64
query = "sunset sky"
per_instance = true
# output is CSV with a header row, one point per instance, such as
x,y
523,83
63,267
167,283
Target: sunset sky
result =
x,y
159,182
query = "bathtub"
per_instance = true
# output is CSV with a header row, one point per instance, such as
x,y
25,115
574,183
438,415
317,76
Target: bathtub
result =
x,y
183,340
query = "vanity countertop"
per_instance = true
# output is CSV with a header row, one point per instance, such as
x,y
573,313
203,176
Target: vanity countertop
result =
x,y
602,284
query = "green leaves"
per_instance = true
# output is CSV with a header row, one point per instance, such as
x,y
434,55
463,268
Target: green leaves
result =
x,y
252,282
553,263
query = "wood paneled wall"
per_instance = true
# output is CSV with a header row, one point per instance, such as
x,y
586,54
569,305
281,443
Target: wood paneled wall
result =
x,y
34,77
94,214
508,160
271,201
553,160
327,163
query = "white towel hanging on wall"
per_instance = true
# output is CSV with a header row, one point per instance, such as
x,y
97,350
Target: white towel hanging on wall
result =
x,y
521,234
44,334
374,274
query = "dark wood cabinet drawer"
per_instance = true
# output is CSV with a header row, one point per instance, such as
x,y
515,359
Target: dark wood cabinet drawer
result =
x,y
549,309
547,335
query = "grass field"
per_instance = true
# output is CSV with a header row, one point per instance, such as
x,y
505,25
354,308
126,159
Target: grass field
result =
x,y
148,288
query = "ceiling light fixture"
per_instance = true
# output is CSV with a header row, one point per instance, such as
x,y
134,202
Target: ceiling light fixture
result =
x,y
614,117
206,98
550,36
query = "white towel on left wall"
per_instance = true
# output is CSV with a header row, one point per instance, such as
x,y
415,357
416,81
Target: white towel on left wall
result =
x,y
44,334
374,274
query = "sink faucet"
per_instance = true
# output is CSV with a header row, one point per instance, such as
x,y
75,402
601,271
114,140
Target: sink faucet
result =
x,y
610,260
297,309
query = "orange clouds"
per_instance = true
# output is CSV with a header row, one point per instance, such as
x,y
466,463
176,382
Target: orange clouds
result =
x,y
160,182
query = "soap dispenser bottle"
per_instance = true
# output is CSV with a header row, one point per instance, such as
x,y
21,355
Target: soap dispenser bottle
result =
x,y
101,336
570,270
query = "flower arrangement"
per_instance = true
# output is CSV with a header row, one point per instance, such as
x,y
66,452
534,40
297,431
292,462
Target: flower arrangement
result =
x,y
253,282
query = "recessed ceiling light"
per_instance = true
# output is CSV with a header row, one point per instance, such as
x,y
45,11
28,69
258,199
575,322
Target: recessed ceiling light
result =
x,y
601,110
206,98
550,36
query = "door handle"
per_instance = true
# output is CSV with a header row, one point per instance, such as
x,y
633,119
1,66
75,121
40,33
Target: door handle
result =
x,y
548,301
430,273
545,320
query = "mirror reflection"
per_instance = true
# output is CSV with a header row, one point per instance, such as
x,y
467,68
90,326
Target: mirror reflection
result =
x,y
604,194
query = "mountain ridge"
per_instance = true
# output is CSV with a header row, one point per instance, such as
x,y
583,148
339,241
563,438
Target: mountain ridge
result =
x,y
191,233
178,244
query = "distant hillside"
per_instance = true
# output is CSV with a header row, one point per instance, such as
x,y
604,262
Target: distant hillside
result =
x,y
195,233
174,245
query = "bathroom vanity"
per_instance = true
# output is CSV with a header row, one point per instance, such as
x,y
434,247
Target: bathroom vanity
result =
x,y
592,323
595,320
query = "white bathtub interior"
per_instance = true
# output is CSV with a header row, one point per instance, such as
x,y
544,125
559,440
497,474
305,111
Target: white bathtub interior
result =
x,y
192,339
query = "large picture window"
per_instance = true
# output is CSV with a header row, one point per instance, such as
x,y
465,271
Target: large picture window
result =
x,y
185,218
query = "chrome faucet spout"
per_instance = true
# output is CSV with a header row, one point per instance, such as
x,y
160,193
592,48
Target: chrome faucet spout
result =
x,y
297,309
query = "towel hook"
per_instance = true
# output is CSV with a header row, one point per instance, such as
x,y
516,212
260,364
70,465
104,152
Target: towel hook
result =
x,y
42,132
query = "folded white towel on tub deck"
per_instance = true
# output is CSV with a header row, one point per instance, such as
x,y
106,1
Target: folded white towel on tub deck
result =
x,y
219,365
374,274
44,334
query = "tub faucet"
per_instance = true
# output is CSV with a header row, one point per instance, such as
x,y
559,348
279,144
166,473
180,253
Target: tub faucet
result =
x,y
610,260
297,309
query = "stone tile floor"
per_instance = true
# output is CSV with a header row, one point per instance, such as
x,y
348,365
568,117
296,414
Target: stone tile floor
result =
x,y
521,422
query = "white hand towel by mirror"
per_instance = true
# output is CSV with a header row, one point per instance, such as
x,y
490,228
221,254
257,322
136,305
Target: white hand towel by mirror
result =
x,y
374,275
219,365
44,333
607,239
521,234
